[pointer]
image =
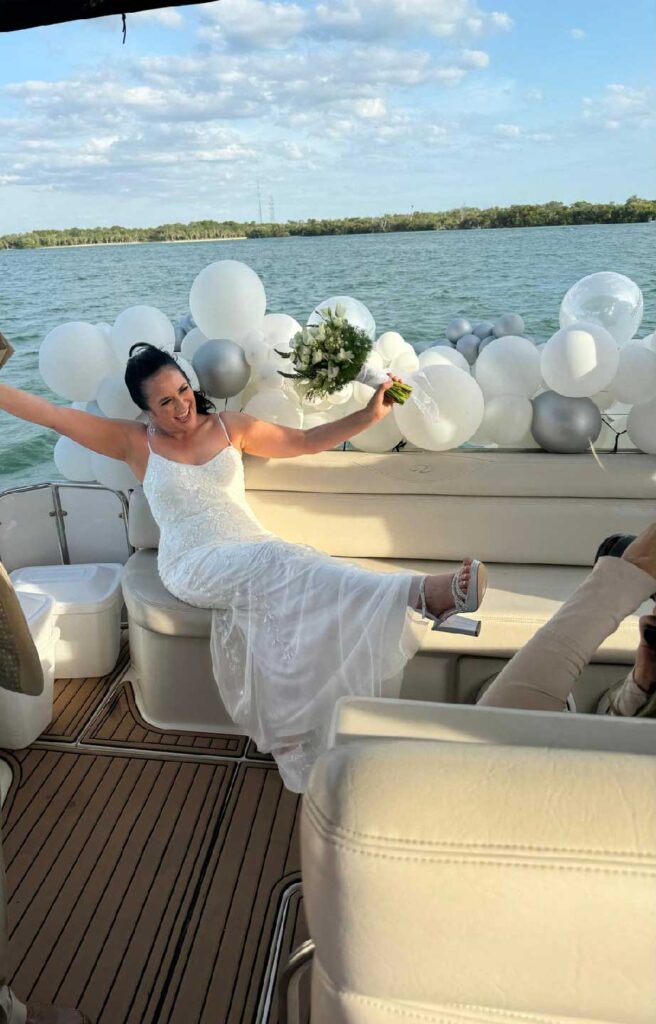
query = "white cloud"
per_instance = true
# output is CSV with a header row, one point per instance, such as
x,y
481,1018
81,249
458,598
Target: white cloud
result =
x,y
253,23
578,34
168,17
534,94
393,18
475,58
620,105
508,131
370,109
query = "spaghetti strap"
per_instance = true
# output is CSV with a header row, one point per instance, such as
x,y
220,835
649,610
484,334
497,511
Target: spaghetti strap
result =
x,y
223,427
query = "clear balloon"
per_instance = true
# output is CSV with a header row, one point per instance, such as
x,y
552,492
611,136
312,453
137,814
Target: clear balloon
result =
x,y
113,473
141,323
641,426
355,312
507,419
611,300
443,355
192,342
73,359
275,407
114,398
445,409
381,437
73,461
635,380
221,368
579,360
227,299
509,366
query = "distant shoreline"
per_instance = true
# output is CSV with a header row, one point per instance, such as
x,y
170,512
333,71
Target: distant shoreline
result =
x,y
143,241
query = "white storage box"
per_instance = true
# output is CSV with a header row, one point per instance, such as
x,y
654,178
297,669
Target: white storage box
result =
x,y
88,601
22,717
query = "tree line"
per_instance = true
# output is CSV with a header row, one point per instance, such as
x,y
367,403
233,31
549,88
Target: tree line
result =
x,y
634,210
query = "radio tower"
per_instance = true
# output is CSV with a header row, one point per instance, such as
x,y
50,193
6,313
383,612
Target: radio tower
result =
x,y
259,200
272,211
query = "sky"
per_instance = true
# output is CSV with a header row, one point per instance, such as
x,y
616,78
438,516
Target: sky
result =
x,y
330,108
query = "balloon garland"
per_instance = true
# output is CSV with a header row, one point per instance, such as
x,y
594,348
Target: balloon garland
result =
x,y
485,383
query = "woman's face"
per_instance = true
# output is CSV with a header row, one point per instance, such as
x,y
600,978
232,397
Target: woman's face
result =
x,y
171,401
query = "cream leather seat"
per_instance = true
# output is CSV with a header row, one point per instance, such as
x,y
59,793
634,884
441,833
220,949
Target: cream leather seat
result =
x,y
479,881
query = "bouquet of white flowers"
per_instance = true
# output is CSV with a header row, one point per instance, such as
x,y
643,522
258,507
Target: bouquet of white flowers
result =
x,y
334,353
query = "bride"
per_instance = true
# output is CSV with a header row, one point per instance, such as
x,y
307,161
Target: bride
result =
x,y
292,629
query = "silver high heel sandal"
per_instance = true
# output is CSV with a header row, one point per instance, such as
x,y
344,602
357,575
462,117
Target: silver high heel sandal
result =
x,y
451,621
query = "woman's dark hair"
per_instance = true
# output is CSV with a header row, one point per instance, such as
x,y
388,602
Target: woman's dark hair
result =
x,y
144,362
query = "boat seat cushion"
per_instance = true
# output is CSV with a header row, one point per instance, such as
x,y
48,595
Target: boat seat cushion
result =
x,y
520,599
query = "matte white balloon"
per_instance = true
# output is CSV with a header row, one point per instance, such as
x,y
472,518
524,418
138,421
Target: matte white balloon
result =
x,y
390,345
611,300
641,426
73,359
141,323
268,379
355,312
648,342
192,342
445,409
73,461
375,361
342,396
443,355
275,407
579,360
188,369
227,299
635,380
507,419
509,366
406,363
279,329
381,437
314,419
113,473
114,398
256,349
104,328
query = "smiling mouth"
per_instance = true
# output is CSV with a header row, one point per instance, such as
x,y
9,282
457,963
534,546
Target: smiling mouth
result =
x,y
185,418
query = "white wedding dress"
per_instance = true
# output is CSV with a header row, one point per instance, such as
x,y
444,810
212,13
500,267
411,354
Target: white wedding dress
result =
x,y
292,629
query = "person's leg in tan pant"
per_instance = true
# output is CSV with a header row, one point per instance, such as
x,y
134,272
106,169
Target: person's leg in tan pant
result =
x,y
542,674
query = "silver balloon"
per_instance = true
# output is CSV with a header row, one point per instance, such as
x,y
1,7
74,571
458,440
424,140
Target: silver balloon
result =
x,y
468,347
483,329
509,323
457,328
565,425
187,323
179,335
485,342
221,367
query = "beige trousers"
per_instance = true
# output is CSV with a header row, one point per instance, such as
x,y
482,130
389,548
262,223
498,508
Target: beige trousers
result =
x,y
542,674
11,1010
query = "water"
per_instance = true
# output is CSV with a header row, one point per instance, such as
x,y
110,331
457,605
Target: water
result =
x,y
414,283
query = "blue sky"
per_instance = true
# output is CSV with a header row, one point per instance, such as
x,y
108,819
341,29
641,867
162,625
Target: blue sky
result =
x,y
336,108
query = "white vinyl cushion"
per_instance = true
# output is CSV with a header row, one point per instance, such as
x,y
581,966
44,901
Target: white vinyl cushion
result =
x,y
450,882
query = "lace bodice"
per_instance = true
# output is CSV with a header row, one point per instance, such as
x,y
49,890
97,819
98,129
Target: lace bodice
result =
x,y
199,505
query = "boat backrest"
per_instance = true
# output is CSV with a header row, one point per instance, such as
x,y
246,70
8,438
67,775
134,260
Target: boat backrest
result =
x,y
525,507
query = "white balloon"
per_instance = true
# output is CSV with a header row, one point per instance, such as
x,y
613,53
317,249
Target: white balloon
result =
x,y
361,394
635,380
375,361
268,379
603,400
611,300
314,419
507,419
509,366
641,426
192,342
406,363
255,348
381,437
187,368
441,355
355,312
73,359
73,461
279,329
105,329
274,407
579,360
113,473
319,405
445,409
114,398
390,345
141,323
648,342
342,396
227,299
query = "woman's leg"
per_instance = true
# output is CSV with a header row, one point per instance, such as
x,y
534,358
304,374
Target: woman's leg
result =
x,y
541,675
439,596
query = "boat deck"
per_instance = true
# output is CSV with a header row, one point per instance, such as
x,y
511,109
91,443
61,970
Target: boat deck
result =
x,y
152,876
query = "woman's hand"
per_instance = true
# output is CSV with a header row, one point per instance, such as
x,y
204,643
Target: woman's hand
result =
x,y
380,404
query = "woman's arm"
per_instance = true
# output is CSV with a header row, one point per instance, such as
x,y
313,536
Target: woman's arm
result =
x,y
117,438
257,437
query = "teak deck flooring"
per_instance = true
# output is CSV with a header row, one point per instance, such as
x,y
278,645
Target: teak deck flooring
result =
x,y
147,870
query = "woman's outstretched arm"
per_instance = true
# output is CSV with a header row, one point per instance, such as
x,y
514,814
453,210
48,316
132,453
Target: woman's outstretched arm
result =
x,y
257,437
116,438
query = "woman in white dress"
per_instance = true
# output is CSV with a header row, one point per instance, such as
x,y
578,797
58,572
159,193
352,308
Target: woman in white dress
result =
x,y
292,629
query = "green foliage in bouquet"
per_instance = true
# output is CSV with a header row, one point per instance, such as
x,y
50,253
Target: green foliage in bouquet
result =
x,y
330,355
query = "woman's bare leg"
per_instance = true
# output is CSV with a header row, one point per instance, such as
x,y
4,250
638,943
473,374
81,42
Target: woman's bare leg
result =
x,y
439,596
541,675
